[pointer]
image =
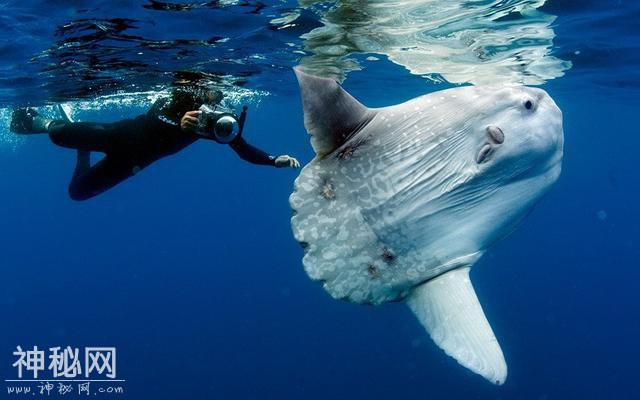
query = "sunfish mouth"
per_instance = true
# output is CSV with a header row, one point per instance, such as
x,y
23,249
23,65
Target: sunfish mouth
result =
x,y
495,137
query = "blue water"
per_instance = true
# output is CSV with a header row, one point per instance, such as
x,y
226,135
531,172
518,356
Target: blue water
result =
x,y
190,268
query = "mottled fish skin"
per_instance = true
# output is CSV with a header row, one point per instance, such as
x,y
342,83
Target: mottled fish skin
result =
x,y
412,194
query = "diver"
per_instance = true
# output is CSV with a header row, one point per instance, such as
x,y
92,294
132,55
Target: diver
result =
x,y
172,123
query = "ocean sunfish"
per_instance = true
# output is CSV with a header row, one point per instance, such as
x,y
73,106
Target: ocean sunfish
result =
x,y
400,201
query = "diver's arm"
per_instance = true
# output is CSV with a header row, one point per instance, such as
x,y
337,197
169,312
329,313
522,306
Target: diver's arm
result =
x,y
250,153
158,113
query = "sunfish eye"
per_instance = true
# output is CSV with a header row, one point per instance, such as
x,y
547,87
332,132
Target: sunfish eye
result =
x,y
528,105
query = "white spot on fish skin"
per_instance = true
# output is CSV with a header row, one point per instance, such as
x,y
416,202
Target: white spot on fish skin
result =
x,y
306,186
329,255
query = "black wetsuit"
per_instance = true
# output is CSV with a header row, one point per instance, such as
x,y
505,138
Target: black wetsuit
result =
x,y
131,145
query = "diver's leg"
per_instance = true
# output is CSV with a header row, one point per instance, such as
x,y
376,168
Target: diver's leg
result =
x,y
88,182
86,136
83,163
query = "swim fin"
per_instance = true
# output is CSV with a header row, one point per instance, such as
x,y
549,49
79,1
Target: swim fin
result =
x,y
26,121
65,113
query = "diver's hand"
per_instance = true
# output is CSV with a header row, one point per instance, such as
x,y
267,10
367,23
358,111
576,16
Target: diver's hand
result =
x,y
286,161
189,122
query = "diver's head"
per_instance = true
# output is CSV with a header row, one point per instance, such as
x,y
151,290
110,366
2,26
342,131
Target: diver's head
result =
x,y
212,96
198,87
191,97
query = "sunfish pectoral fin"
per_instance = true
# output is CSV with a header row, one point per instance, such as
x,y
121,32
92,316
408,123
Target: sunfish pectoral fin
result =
x,y
449,310
331,115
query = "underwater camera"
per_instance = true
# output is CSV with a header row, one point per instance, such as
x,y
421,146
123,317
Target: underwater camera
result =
x,y
220,124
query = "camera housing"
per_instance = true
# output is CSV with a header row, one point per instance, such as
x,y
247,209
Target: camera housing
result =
x,y
219,124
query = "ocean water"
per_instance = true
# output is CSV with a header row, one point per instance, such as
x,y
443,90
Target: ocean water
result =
x,y
190,270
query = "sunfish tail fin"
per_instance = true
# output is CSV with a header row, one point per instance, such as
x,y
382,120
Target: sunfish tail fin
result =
x,y
331,115
449,310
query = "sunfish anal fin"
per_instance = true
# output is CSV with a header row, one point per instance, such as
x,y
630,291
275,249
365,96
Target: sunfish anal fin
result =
x,y
449,310
331,115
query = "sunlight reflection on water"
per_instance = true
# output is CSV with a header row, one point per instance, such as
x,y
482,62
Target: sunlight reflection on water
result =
x,y
478,42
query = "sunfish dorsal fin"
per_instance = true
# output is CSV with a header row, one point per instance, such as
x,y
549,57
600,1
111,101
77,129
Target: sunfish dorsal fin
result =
x,y
449,310
331,115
